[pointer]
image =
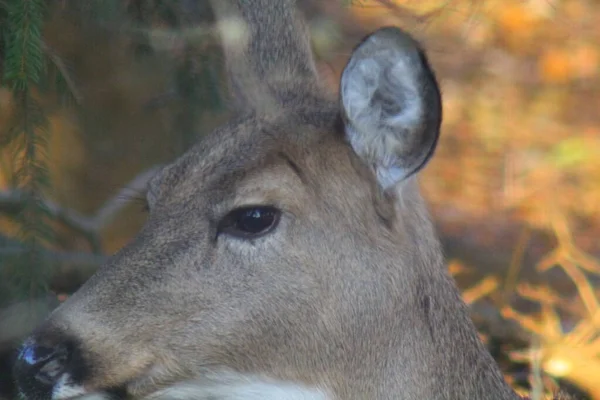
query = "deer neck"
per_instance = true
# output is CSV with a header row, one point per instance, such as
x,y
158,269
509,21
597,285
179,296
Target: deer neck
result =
x,y
436,352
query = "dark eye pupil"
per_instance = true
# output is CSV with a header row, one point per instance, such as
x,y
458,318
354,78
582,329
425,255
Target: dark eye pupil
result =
x,y
255,220
249,222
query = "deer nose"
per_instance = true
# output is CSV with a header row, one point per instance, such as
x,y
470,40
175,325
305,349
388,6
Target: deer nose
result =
x,y
39,367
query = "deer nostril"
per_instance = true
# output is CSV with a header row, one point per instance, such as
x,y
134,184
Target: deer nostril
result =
x,y
38,368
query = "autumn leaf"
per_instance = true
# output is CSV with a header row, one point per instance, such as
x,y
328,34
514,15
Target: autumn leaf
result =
x,y
555,66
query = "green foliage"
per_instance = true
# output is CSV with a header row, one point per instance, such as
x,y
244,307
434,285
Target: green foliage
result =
x,y
24,60
39,78
571,152
24,64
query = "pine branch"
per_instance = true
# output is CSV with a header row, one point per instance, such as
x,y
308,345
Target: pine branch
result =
x,y
24,60
23,69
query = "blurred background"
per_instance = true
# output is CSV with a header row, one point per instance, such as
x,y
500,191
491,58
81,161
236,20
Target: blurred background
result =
x,y
95,95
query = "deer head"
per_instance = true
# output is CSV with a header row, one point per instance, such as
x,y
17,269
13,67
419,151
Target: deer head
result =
x,y
288,255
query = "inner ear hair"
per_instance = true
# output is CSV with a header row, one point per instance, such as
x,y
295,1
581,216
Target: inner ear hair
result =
x,y
391,105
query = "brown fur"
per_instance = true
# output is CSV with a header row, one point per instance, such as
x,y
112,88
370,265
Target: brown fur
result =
x,y
349,294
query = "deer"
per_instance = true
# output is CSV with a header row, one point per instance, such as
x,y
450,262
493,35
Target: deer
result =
x,y
288,254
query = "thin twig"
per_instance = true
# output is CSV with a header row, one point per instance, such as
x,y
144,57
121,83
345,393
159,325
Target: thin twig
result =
x,y
89,227
109,210
64,71
12,201
516,264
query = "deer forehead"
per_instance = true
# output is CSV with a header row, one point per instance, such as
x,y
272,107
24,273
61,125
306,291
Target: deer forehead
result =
x,y
258,162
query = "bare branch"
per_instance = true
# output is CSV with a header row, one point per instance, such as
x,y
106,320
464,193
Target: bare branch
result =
x,y
90,227
12,202
64,71
106,214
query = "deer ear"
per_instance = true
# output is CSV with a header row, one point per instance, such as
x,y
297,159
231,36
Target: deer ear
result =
x,y
391,105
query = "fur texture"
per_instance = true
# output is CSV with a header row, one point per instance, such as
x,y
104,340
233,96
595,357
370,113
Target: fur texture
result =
x,y
346,294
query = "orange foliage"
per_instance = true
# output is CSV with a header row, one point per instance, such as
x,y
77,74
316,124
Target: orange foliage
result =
x,y
585,61
520,80
521,139
516,22
555,66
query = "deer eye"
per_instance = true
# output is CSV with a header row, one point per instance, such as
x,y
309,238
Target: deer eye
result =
x,y
250,222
